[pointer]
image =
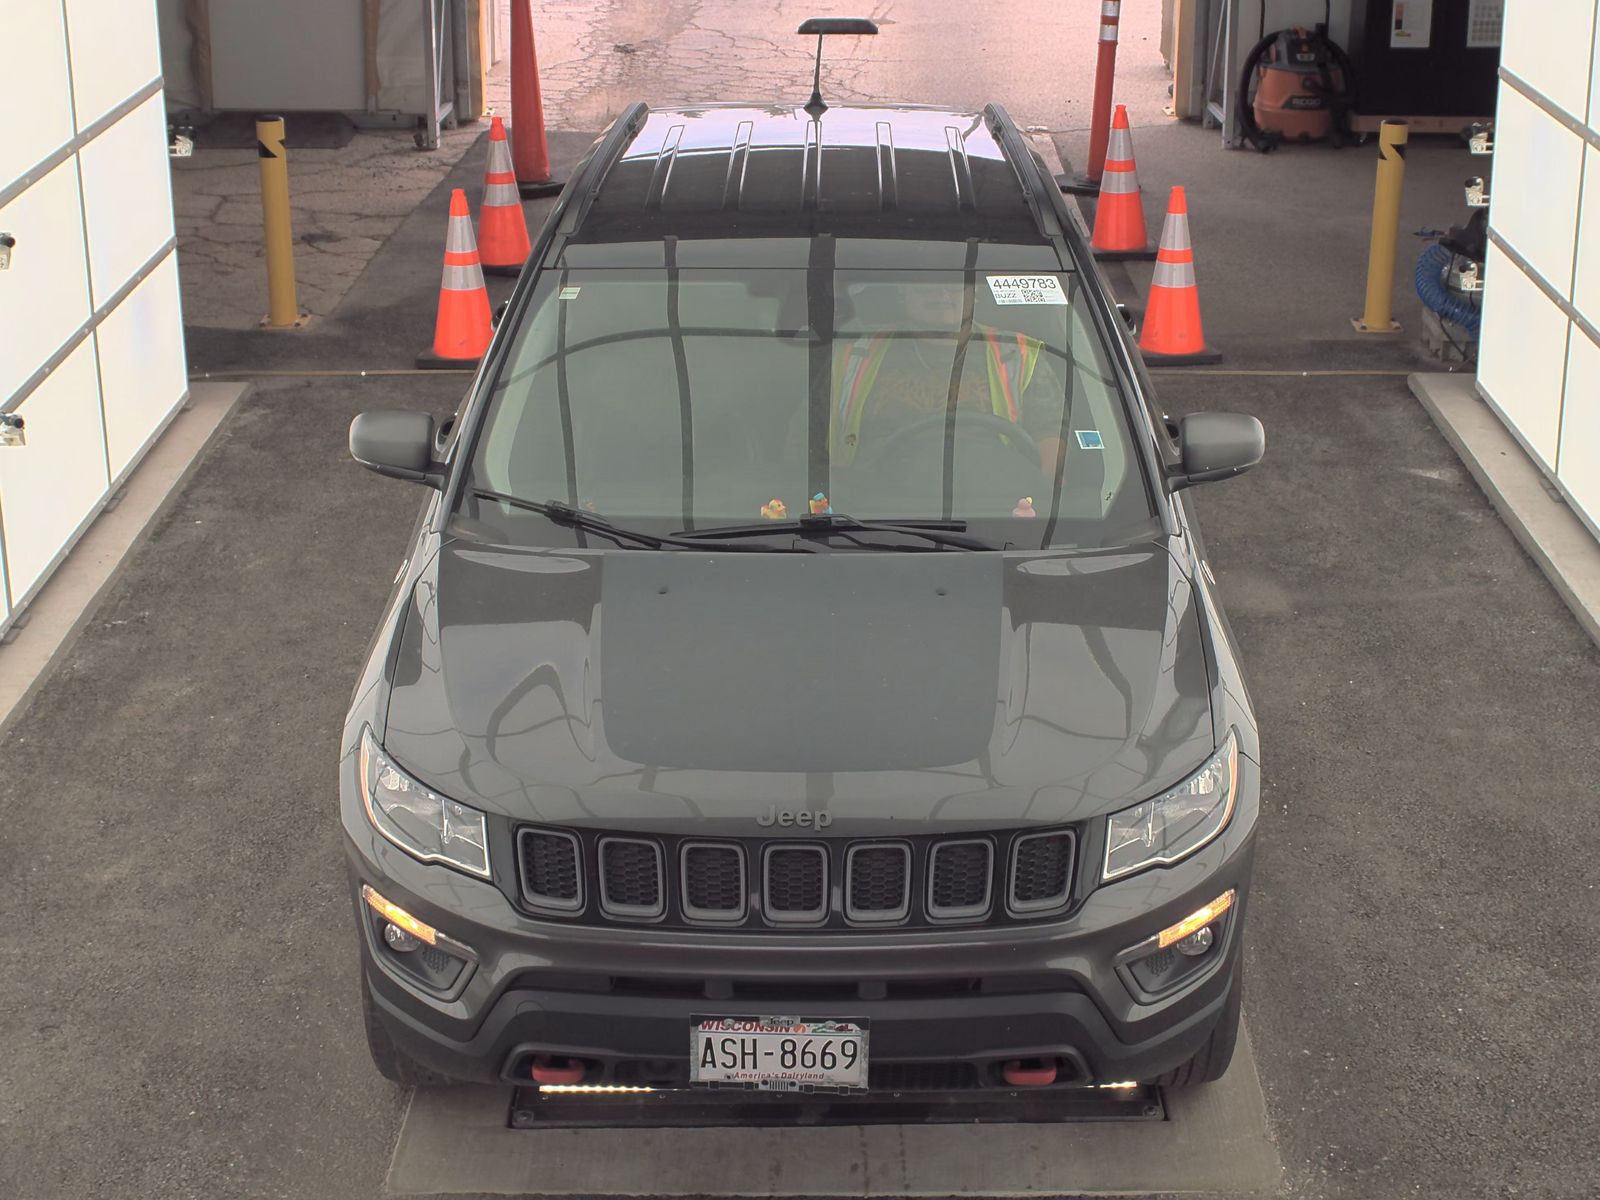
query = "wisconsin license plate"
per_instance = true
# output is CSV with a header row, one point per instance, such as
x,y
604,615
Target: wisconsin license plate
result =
x,y
779,1054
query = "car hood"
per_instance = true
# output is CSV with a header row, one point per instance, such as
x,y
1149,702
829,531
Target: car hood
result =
x,y
680,691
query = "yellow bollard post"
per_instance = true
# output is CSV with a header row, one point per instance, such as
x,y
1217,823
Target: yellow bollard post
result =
x,y
283,310
1378,316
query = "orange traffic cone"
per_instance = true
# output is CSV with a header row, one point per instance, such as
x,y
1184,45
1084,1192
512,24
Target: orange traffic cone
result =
x,y
1172,334
530,150
502,231
1119,231
461,333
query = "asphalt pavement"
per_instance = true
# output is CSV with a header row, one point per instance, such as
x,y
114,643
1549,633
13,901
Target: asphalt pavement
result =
x,y
1426,909
179,1006
181,1013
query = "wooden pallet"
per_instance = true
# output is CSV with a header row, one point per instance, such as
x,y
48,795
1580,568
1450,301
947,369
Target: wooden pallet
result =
x,y
1362,123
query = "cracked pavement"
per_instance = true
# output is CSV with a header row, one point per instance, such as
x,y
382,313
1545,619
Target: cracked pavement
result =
x,y
598,56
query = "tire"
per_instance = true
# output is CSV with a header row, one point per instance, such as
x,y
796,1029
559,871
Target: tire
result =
x,y
393,1063
1210,1062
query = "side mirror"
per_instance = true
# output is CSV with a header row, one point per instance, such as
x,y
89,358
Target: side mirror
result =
x,y
395,442
1217,445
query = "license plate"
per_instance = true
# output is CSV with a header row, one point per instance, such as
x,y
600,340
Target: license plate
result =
x,y
779,1054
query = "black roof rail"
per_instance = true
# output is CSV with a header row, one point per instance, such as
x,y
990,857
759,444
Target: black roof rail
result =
x,y
1005,131
591,173
666,157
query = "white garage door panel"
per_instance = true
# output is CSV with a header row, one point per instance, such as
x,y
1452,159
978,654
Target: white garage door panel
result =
x,y
1538,213
141,362
49,486
44,296
1594,83
128,192
1580,426
35,104
1547,44
1586,287
1520,353
115,52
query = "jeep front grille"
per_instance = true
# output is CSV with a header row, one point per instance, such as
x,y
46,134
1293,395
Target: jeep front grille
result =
x,y
551,877
714,887
631,878
961,880
877,882
1041,869
786,883
796,888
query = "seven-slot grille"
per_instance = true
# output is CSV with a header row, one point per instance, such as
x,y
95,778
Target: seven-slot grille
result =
x,y
795,888
960,880
631,883
877,882
1041,870
714,886
798,884
551,875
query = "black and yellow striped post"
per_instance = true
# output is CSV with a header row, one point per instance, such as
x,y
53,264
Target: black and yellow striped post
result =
x,y
283,308
1378,317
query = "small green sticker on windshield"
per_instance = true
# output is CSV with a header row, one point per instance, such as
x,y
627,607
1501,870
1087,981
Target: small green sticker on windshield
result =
x,y
569,293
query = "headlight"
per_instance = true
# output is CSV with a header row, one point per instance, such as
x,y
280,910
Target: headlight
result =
x,y
421,822
1177,823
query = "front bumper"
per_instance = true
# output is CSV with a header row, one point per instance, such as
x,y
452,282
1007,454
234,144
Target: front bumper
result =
x,y
623,998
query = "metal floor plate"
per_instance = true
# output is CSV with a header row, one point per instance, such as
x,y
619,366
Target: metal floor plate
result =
x,y
698,1109
455,1142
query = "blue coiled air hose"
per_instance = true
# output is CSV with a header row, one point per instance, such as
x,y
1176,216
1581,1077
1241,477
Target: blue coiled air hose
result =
x,y
1431,291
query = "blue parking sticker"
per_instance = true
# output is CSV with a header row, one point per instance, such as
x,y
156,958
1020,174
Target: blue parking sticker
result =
x,y
1089,439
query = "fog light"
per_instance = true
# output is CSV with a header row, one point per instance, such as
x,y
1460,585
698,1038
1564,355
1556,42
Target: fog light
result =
x,y
402,942
1163,961
396,915
1196,920
414,947
1196,944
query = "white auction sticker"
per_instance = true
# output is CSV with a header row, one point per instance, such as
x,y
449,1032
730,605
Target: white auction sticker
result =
x,y
1026,289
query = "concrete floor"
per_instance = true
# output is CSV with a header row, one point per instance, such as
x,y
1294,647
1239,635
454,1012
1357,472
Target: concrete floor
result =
x,y
180,1000
596,57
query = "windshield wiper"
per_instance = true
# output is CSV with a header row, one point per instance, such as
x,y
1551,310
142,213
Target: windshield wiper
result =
x,y
940,533
590,522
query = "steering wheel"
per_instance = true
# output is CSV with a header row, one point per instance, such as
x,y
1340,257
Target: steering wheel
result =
x,y
1014,435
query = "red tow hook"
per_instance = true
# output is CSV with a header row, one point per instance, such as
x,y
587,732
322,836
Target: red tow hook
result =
x,y
1033,1072
548,1070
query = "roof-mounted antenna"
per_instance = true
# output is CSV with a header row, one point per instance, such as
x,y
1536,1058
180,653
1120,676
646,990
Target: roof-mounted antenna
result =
x,y
822,27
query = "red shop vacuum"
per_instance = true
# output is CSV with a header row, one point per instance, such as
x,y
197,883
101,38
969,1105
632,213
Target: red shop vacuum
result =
x,y
1296,85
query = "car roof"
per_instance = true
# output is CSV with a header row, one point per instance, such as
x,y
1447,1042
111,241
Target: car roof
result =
x,y
781,171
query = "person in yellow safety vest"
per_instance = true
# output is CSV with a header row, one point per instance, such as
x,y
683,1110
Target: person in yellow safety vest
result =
x,y
880,381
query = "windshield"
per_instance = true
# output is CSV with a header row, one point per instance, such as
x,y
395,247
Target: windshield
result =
x,y
671,400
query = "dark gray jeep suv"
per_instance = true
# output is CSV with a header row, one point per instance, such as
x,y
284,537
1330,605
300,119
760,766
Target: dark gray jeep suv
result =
x,y
806,673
